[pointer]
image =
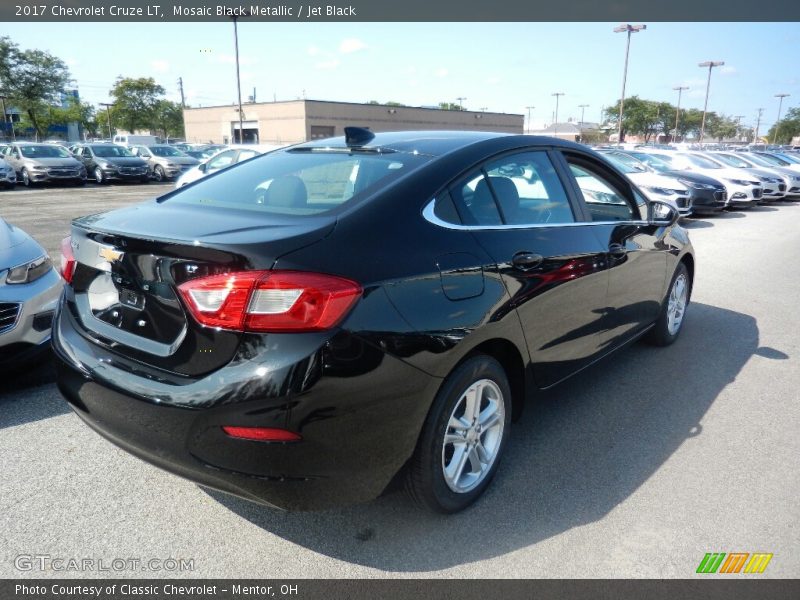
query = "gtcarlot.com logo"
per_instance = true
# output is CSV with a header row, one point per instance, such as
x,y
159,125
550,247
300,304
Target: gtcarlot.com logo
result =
x,y
734,562
46,562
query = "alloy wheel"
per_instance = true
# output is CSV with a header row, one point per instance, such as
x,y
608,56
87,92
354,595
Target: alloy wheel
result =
x,y
676,305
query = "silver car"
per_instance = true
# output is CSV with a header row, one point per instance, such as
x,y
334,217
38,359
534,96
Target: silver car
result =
x,y
29,291
39,163
166,162
8,176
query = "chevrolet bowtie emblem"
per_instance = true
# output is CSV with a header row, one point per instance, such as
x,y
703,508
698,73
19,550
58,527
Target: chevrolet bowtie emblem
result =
x,y
110,254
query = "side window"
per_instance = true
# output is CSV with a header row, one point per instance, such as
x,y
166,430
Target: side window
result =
x,y
475,201
604,201
245,154
529,190
221,160
445,209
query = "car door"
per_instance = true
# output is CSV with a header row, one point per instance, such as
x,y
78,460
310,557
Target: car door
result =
x,y
14,158
85,156
635,251
551,262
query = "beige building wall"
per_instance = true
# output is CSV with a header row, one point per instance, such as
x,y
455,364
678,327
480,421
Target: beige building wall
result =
x,y
301,120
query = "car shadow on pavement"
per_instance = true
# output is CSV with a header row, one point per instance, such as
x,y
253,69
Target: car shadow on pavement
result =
x,y
696,224
19,401
574,456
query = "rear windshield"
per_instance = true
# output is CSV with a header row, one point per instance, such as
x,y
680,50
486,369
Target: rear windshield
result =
x,y
44,152
299,182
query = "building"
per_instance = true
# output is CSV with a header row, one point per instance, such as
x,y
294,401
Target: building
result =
x,y
302,120
571,130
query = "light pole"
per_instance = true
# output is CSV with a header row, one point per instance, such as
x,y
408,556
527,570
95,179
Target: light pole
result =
x,y
555,117
235,19
629,29
108,117
680,89
529,116
710,64
739,125
461,102
583,107
778,122
758,125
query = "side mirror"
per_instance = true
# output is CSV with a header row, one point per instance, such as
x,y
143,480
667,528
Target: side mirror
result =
x,y
202,167
661,214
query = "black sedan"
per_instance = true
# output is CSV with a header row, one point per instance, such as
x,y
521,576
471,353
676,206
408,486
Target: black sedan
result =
x,y
107,162
708,195
307,325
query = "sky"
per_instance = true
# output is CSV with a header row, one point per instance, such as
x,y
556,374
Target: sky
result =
x,y
502,67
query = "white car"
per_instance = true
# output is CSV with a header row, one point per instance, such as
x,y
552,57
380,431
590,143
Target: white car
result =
x,y
661,188
8,176
222,160
775,184
743,190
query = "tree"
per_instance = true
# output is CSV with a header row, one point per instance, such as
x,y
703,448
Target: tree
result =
x,y
135,102
33,81
720,126
450,106
168,119
788,127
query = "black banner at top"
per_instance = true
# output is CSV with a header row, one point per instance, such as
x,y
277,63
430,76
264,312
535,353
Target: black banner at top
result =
x,y
398,10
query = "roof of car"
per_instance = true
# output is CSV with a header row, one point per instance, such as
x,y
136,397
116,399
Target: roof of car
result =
x,y
434,143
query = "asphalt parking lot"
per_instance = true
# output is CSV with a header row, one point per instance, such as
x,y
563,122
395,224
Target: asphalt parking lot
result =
x,y
636,468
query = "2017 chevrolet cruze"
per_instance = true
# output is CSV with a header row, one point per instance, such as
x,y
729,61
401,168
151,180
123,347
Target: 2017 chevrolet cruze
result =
x,y
309,324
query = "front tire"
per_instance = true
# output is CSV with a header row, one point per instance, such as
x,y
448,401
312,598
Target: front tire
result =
x,y
98,176
463,438
26,178
670,321
158,174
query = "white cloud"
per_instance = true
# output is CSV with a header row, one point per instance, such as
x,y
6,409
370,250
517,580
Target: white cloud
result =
x,y
441,72
327,65
493,80
230,59
350,45
159,65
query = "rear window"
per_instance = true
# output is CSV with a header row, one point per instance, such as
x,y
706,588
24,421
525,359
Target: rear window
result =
x,y
299,182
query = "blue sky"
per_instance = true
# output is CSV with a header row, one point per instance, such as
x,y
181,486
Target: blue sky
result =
x,y
503,67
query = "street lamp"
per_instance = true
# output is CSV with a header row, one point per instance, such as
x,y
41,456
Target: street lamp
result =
x,y
710,64
529,116
778,122
739,126
555,117
758,125
680,89
235,19
580,129
108,117
461,102
629,29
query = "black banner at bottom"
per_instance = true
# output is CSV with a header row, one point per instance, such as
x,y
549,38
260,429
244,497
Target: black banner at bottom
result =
x,y
400,589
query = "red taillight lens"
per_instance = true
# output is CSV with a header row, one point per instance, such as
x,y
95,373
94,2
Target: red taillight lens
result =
x,y
68,262
270,301
263,434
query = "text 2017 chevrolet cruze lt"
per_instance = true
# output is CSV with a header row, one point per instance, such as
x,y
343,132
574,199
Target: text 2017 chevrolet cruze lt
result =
x,y
303,327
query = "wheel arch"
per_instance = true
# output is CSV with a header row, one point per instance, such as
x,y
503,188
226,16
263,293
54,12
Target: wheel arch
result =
x,y
510,358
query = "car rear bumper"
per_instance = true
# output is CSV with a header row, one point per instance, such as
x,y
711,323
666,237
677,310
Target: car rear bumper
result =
x,y
358,427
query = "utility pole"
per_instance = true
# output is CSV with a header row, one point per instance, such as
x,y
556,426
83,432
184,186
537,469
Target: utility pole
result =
x,y
758,124
460,102
254,94
529,117
629,29
108,116
680,89
580,129
5,117
710,64
738,125
235,19
555,116
180,86
778,122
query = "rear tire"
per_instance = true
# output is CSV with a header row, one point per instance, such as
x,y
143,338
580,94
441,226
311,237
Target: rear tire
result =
x,y
463,438
673,312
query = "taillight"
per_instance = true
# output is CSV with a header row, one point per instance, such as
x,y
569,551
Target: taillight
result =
x,y
263,434
270,301
68,262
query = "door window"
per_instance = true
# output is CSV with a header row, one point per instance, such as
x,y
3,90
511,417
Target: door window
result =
x,y
604,198
221,160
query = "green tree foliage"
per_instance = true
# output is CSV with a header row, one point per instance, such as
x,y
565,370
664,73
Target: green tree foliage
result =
x,y
450,106
33,80
136,102
720,126
168,119
788,127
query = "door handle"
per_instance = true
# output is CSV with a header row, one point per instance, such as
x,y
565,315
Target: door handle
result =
x,y
617,250
525,261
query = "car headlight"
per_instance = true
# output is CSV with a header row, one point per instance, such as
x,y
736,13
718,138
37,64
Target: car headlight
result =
x,y
38,168
30,271
697,186
172,166
769,180
660,190
740,182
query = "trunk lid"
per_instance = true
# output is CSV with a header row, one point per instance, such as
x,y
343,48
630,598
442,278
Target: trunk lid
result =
x,y
130,262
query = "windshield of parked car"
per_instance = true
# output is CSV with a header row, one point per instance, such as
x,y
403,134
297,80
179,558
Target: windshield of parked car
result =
x,y
110,150
782,160
758,160
299,182
620,164
166,151
628,162
653,161
733,161
44,152
702,161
